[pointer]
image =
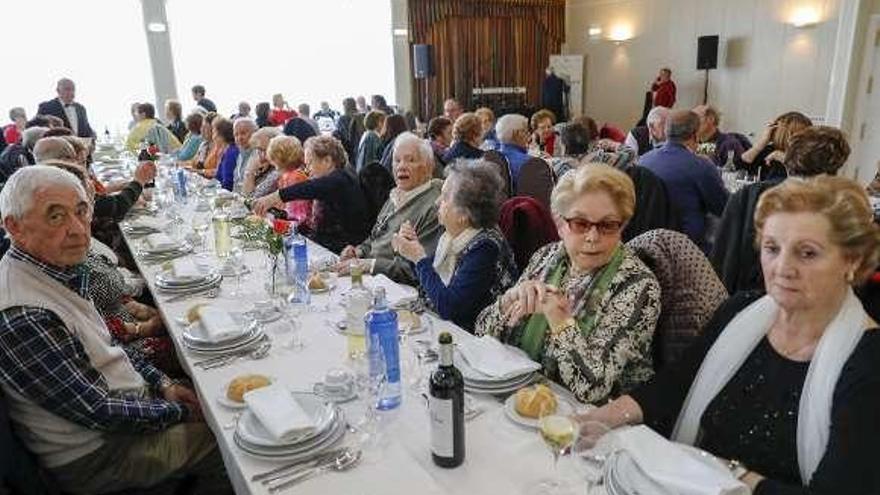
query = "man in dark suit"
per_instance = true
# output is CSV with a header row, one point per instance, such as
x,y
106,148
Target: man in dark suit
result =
x,y
72,113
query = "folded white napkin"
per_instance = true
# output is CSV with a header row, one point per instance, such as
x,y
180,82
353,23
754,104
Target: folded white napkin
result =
x,y
279,412
492,358
394,293
161,241
218,324
149,223
671,468
185,269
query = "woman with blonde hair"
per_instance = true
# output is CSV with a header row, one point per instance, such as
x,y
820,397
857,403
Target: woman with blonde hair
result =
x,y
287,156
766,156
785,384
467,135
584,307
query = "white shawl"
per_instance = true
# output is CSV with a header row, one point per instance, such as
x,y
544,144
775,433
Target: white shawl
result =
x,y
737,341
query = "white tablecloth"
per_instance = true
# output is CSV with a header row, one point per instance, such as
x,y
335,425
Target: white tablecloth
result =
x,y
501,457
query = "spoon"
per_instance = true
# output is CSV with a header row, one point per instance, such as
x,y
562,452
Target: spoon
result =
x,y
343,462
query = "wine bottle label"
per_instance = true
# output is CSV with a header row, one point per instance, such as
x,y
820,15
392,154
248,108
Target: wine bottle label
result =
x,y
441,427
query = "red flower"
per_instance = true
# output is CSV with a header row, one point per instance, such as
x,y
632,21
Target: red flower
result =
x,y
281,227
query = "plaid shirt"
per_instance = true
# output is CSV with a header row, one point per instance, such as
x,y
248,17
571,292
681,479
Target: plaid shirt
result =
x,y
44,362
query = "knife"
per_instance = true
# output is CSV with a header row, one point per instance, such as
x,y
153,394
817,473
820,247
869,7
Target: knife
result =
x,y
295,467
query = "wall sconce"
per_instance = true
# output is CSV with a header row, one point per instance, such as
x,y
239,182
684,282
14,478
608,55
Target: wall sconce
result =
x,y
400,32
620,33
594,32
804,17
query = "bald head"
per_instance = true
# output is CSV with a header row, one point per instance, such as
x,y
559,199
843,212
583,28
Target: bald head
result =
x,y
54,148
681,126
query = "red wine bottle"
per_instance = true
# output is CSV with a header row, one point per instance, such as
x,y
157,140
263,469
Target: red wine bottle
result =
x,y
446,404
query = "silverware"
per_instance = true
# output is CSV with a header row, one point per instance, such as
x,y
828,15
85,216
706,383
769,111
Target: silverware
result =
x,y
343,462
293,467
209,292
259,352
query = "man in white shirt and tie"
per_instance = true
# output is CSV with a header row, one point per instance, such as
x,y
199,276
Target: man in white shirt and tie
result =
x,y
72,113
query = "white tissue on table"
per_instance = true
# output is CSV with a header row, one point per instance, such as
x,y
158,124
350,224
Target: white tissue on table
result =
x,y
492,358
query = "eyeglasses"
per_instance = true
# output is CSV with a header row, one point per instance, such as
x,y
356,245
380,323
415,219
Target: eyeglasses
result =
x,y
580,226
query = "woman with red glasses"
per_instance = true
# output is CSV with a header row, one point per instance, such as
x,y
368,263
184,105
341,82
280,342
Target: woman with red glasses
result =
x,y
585,307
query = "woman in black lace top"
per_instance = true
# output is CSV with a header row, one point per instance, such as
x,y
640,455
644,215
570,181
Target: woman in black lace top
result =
x,y
808,342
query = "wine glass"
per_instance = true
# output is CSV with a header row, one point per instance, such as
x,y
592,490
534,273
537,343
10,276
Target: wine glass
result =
x,y
200,224
559,433
583,452
236,264
371,387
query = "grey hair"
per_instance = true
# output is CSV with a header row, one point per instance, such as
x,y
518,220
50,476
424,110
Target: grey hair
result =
x,y
507,126
304,109
245,121
657,114
681,125
476,191
17,112
31,135
266,133
54,148
17,196
423,148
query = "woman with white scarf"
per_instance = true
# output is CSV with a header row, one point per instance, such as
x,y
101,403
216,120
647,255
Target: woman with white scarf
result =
x,y
788,384
473,265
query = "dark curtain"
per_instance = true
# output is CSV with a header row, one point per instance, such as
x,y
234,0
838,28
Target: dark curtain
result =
x,y
488,43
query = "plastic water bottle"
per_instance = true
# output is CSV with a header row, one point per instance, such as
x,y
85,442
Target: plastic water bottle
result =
x,y
180,186
382,337
299,266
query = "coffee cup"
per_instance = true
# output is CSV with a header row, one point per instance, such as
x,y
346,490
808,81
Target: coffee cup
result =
x,y
337,383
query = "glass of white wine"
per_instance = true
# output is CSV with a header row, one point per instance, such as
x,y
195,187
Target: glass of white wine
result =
x,y
201,222
559,433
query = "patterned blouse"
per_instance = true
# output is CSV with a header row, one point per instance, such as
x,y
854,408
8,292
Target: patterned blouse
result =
x,y
616,355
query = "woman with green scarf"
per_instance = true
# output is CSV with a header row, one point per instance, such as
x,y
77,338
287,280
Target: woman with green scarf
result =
x,y
585,307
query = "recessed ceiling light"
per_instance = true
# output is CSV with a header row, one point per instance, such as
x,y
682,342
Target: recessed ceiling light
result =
x,y
157,27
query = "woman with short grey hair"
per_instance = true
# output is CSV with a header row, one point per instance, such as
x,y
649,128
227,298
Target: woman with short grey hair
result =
x,y
473,265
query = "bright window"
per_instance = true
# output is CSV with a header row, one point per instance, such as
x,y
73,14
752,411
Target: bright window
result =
x,y
310,51
100,44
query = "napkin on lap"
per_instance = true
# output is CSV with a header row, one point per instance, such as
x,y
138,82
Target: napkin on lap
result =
x,y
674,468
490,357
218,324
279,412
185,269
161,241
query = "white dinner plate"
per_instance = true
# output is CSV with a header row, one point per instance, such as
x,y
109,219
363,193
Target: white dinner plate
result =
x,y
252,431
336,434
563,408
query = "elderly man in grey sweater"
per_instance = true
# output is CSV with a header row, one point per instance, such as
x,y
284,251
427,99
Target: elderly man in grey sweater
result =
x,y
413,201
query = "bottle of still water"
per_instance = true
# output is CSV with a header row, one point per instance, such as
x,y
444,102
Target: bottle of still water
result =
x,y
382,340
179,180
298,267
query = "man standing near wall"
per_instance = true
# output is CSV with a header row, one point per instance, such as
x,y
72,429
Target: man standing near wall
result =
x,y
664,89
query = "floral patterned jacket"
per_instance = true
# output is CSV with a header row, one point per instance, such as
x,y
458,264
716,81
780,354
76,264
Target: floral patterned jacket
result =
x,y
616,355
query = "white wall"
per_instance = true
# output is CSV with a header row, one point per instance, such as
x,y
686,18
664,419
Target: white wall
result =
x,y
766,66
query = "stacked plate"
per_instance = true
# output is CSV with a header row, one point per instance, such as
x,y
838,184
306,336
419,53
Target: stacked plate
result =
x,y
194,338
480,383
164,253
253,439
168,284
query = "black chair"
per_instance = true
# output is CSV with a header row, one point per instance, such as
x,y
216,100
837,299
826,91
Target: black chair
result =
x,y
19,471
654,208
535,181
377,183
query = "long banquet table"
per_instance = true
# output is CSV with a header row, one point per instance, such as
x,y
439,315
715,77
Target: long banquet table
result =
x,y
501,456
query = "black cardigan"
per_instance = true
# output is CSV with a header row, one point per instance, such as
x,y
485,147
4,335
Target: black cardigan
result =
x,y
849,463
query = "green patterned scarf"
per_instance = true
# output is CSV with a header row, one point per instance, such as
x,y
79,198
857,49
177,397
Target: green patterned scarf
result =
x,y
532,339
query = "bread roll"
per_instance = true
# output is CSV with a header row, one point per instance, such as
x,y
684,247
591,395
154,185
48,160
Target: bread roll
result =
x,y
316,282
531,401
244,384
